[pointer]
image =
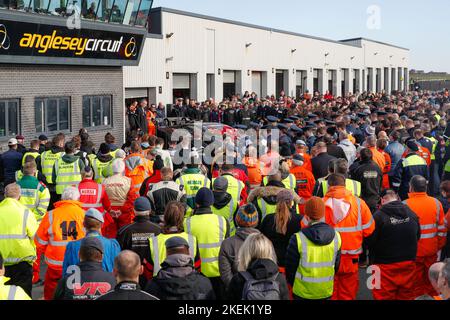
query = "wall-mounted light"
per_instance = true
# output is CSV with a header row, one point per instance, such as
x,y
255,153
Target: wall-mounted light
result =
x,y
391,56
404,59
248,73
248,44
327,54
375,53
169,35
218,71
293,50
353,57
293,71
160,90
310,70
169,59
167,75
273,70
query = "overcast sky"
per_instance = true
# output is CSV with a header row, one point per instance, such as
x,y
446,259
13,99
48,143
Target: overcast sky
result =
x,y
422,26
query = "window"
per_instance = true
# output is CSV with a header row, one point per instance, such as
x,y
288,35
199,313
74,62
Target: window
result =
x,y
9,117
52,114
96,111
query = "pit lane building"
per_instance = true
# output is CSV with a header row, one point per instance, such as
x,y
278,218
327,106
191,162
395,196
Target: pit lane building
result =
x,y
204,57
54,78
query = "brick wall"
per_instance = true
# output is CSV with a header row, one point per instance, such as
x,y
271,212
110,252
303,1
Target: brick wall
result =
x,y
27,82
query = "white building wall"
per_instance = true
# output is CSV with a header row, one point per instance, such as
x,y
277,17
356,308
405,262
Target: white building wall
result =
x,y
186,52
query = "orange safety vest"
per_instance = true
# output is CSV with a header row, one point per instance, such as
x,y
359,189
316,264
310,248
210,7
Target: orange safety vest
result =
x,y
137,173
387,168
151,116
59,227
254,170
431,217
423,153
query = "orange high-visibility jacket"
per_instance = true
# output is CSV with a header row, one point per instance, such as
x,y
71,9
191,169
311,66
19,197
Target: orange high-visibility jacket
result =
x,y
350,216
387,168
304,182
59,227
254,170
423,152
378,158
431,218
137,168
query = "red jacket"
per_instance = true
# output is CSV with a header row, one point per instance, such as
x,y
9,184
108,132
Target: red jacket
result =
x,y
93,195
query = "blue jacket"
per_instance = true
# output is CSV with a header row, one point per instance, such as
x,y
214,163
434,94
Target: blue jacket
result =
x,y
111,249
10,162
395,149
405,170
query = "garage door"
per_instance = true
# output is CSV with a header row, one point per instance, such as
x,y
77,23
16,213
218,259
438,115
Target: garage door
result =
x,y
181,81
256,83
135,93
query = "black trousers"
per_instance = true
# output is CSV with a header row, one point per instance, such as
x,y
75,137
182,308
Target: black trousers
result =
x,y
218,287
54,197
21,275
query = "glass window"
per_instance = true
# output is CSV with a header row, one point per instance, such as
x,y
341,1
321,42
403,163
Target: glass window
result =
x,y
134,4
104,9
9,117
118,11
89,9
144,10
96,111
57,7
40,6
52,114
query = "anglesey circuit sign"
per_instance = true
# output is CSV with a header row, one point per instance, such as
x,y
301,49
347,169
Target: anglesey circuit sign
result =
x,y
23,39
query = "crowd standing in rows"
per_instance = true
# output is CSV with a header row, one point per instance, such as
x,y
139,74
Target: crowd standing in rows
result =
x,y
361,180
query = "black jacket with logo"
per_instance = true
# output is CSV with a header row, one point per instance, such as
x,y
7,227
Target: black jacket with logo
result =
x,y
369,174
94,282
178,280
127,290
397,231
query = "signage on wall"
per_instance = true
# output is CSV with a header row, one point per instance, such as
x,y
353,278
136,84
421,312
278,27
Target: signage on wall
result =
x,y
25,39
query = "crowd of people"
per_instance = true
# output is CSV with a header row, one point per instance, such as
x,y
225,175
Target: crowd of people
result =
x,y
360,180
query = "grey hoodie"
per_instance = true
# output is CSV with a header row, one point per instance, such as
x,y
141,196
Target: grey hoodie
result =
x,y
349,150
229,252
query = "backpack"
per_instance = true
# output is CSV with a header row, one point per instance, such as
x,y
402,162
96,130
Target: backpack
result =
x,y
263,289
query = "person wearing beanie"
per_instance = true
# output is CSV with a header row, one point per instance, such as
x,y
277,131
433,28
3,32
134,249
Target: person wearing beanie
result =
x,y
265,198
117,187
158,164
280,226
224,204
178,279
135,237
210,230
246,220
411,165
316,244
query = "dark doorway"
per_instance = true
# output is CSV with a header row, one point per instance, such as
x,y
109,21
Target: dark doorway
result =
x,y
229,89
181,93
279,83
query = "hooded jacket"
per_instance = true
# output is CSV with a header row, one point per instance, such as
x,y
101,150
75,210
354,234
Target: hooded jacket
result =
x,y
341,211
229,252
178,280
269,195
397,232
369,174
259,269
349,150
320,234
221,199
69,158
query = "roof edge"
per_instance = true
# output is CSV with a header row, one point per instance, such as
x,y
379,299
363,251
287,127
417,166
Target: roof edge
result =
x,y
376,41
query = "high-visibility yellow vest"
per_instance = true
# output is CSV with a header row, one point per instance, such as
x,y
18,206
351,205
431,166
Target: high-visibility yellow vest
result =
x,y
35,196
266,208
192,182
11,292
228,213
98,167
48,159
17,229
315,273
91,158
67,174
210,231
351,185
35,154
433,149
158,250
289,182
113,153
19,175
108,171
414,160
235,187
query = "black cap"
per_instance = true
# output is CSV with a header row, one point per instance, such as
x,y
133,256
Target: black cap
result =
x,y
176,242
43,137
92,242
319,121
272,119
298,157
282,126
288,120
411,144
381,113
329,122
295,128
241,126
312,115
362,114
295,118
255,124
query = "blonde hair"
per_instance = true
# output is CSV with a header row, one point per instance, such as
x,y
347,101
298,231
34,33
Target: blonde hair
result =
x,y
256,246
